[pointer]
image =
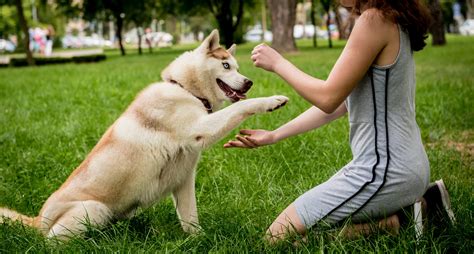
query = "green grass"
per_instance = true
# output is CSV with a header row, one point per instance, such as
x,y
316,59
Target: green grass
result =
x,y
52,116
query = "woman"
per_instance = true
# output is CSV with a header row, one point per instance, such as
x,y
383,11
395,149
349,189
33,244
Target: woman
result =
x,y
374,81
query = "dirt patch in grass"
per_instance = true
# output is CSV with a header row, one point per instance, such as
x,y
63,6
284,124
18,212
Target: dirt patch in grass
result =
x,y
463,143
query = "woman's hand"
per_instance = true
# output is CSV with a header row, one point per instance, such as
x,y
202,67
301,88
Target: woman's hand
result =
x,y
252,139
265,57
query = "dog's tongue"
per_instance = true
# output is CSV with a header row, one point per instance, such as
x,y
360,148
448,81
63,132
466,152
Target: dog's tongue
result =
x,y
229,92
238,95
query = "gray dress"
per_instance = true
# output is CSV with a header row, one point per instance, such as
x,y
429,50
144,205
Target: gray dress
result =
x,y
389,169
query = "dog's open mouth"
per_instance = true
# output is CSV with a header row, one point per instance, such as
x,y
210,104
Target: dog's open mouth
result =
x,y
234,95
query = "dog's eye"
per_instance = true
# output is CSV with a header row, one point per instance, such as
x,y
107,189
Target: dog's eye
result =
x,y
226,66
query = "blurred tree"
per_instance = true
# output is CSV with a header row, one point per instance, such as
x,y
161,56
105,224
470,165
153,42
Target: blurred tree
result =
x,y
8,21
470,9
437,26
199,23
283,16
176,11
140,13
92,10
68,8
24,28
327,8
224,11
313,22
447,10
343,26
263,10
48,13
227,13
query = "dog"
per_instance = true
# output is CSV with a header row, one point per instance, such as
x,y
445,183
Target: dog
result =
x,y
153,148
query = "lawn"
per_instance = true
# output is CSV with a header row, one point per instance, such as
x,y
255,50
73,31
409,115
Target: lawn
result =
x,y
52,116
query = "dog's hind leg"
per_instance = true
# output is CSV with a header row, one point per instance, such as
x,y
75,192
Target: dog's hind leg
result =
x,y
75,220
185,201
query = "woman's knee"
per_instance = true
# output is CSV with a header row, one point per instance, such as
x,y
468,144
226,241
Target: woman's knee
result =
x,y
286,223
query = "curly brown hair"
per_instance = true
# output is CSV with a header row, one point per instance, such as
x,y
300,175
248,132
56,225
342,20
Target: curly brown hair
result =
x,y
412,15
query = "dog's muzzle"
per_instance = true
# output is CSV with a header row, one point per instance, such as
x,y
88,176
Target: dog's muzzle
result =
x,y
247,85
233,94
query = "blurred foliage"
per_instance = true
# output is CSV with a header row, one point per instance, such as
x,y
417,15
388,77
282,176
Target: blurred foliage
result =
x,y
198,15
8,23
228,15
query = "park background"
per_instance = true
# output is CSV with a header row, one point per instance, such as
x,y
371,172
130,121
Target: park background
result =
x,y
51,117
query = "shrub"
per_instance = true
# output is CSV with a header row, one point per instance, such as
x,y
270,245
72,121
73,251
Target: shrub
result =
x,y
21,61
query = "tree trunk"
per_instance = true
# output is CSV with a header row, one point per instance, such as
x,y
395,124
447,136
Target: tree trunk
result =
x,y
264,20
118,33
328,23
313,22
172,26
350,25
24,28
283,14
470,9
139,40
225,20
338,23
148,41
341,26
437,27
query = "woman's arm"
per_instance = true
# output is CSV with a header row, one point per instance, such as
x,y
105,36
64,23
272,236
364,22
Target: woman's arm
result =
x,y
310,119
367,40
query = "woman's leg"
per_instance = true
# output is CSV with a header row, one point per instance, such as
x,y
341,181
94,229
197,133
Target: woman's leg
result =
x,y
288,222
285,224
349,194
390,224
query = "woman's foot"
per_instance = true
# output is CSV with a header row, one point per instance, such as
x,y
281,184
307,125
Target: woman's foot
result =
x,y
438,204
390,225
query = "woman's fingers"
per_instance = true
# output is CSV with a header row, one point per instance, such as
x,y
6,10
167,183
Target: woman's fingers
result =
x,y
256,48
252,140
233,143
249,139
247,132
245,141
254,57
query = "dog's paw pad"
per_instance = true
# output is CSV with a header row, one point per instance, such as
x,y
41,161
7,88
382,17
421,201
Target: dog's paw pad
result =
x,y
279,101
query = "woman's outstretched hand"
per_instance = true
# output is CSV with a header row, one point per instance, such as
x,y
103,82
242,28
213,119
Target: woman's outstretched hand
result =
x,y
265,57
252,139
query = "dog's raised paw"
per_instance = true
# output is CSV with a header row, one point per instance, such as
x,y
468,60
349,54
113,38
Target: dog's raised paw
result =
x,y
277,102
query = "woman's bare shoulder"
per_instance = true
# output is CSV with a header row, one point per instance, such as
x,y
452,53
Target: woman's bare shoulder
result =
x,y
374,19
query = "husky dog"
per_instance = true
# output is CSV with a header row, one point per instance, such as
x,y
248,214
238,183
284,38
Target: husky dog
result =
x,y
152,149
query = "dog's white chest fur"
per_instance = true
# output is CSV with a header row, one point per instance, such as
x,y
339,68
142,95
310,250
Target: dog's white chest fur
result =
x,y
178,166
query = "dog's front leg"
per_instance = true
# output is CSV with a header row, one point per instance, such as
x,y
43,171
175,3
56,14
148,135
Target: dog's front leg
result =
x,y
213,127
185,202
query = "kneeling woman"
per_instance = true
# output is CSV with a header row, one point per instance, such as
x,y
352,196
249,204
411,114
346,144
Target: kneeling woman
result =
x,y
373,80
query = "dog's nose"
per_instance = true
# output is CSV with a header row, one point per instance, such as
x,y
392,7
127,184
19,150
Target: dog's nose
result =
x,y
247,84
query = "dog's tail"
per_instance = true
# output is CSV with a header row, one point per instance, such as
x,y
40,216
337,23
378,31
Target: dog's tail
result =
x,y
15,216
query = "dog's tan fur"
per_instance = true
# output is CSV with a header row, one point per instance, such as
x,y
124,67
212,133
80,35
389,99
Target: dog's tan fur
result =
x,y
152,150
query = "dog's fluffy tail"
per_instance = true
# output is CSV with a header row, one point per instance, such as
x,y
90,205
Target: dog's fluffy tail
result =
x,y
15,216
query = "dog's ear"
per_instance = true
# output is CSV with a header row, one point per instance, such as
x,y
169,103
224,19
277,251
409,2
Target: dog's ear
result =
x,y
232,49
211,42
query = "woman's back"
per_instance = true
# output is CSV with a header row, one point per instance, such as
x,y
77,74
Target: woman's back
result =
x,y
382,108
